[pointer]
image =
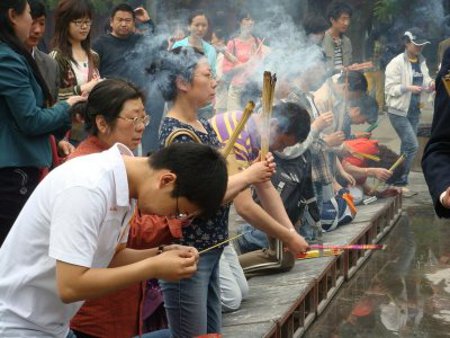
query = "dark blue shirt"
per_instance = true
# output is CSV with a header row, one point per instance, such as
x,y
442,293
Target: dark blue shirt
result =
x,y
417,80
201,233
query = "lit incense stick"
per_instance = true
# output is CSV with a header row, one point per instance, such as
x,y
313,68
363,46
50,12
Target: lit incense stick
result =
x,y
368,156
319,253
349,246
400,160
269,83
237,131
224,242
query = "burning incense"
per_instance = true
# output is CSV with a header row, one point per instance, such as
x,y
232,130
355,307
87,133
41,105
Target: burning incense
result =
x,y
232,140
368,156
259,47
224,242
319,253
350,247
400,160
269,83
372,127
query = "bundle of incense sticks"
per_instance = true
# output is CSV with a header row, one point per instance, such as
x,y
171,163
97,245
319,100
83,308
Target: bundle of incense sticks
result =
x,y
368,156
268,94
400,160
259,47
349,246
319,253
237,131
372,127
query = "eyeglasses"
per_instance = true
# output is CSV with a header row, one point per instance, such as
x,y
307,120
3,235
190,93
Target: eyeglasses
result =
x,y
80,23
184,218
138,120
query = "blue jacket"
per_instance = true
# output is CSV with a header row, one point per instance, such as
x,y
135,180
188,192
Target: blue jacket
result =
x,y
24,125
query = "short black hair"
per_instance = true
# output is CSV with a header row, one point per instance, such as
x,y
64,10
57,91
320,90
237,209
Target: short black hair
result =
x,y
106,99
37,8
357,82
315,25
201,173
368,107
292,119
123,8
337,8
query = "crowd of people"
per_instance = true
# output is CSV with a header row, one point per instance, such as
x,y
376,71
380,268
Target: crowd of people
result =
x,y
97,242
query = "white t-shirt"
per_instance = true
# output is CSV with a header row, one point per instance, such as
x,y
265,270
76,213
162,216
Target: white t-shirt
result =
x,y
78,214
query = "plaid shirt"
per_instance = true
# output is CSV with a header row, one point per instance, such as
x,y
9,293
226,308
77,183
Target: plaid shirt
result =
x,y
319,160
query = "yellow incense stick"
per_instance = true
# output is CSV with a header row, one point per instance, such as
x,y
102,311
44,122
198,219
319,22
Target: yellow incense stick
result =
x,y
232,140
224,242
391,169
269,82
368,156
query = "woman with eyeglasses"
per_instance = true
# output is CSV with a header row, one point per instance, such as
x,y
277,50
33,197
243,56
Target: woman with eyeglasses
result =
x,y
26,114
114,112
78,64
193,305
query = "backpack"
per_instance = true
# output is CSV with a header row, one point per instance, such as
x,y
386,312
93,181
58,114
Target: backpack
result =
x,y
339,210
292,180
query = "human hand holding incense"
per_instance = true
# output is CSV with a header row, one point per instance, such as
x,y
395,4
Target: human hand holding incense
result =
x,y
190,249
380,173
261,170
323,121
176,264
334,139
295,243
362,134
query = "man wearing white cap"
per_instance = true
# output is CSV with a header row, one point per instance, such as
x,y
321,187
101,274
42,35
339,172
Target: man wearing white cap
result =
x,y
407,82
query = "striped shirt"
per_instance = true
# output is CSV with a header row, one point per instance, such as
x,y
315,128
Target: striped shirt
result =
x,y
247,145
338,56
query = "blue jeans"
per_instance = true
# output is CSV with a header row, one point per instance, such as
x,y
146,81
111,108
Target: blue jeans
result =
x,y
233,284
406,129
253,240
193,305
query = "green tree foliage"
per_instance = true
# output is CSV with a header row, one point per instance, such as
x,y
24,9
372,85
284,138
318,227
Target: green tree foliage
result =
x,y
386,10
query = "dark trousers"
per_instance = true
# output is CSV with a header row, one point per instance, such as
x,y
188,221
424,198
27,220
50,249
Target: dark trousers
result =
x,y
16,185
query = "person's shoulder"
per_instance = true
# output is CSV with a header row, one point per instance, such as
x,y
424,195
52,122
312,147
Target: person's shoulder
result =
x,y
181,43
10,59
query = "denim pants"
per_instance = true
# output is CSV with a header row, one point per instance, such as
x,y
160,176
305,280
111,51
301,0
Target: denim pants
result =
x,y
193,305
233,284
253,239
406,129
